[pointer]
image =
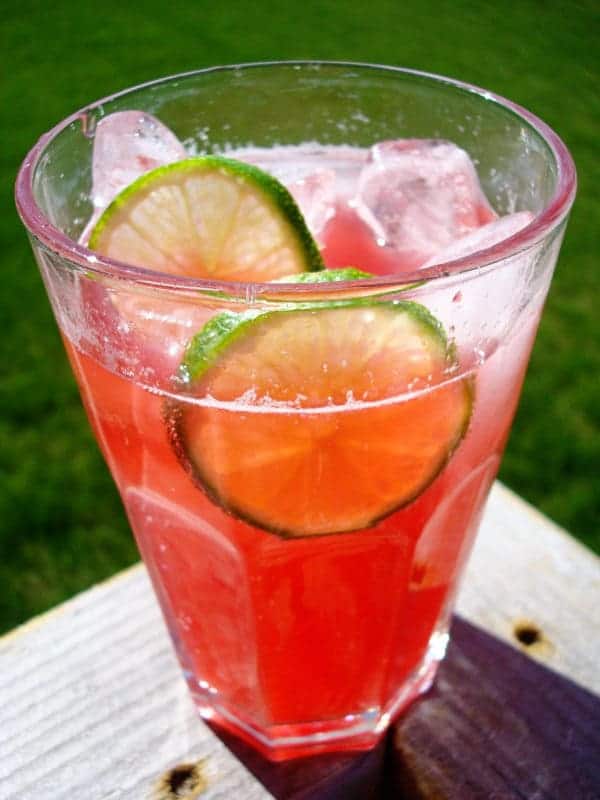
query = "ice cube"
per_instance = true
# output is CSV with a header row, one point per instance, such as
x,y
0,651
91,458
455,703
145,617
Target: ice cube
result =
x,y
292,163
482,238
482,307
420,195
315,195
315,176
126,145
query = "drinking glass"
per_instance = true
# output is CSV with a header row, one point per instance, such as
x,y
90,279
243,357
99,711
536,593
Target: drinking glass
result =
x,y
306,611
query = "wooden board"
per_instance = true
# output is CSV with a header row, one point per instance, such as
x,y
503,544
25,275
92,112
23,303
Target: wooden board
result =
x,y
525,571
498,725
92,703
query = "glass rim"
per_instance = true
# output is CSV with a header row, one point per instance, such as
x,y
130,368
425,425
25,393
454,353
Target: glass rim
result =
x,y
53,239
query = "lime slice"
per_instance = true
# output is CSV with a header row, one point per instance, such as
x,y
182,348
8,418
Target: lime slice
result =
x,y
327,276
319,420
208,217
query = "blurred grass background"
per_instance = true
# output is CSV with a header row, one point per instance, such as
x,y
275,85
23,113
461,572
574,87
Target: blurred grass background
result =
x,y
62,527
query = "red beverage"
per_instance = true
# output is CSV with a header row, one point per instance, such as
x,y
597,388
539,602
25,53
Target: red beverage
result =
x,y
283,637
304,464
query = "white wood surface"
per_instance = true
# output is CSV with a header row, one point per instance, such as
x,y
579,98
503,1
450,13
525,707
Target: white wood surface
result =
x,y
525,569
92,704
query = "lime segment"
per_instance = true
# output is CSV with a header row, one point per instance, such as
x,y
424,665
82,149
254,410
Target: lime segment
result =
x,y
208,217
311,421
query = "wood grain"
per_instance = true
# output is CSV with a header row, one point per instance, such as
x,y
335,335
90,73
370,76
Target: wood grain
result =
x,y
497,725
525,569
92,703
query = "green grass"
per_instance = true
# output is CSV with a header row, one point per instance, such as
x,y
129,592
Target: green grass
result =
x,y
62,524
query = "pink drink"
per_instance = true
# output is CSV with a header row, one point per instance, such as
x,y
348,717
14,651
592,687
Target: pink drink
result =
x,y
304,642
261,651
273,634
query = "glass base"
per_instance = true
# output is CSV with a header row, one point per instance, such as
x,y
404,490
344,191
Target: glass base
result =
x,y
353,732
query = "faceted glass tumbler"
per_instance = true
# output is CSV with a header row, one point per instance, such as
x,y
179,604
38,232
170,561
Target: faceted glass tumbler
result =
x,y
301,643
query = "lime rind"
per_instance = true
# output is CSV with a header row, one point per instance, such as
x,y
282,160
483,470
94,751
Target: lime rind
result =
x,y
226,327
206,346
217,336
326,276
343,275
272,192
223,330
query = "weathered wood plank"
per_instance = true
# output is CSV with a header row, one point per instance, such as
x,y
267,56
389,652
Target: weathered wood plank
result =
x,y
92,703
498,724
525,570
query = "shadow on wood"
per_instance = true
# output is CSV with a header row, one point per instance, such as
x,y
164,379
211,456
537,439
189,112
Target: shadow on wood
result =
x,y
496,724
335,776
